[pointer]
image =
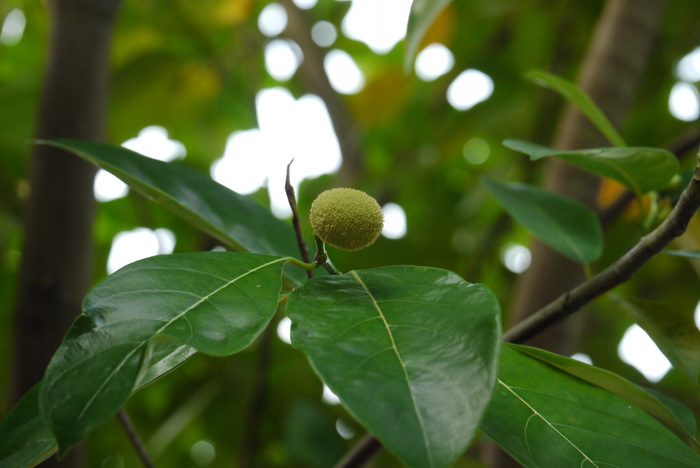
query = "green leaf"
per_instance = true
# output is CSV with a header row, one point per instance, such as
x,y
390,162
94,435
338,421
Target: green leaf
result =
x,y
403,347
215,302
235,220
683,253
619,386
567,226
24,438
639,169
580,99
423,14
544,417
672,329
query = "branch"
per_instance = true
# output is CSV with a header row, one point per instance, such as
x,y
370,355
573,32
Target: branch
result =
x,y
617,273
303,249
360,453
134,438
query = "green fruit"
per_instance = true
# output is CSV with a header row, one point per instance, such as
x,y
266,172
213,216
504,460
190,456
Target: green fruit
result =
x,y
346,218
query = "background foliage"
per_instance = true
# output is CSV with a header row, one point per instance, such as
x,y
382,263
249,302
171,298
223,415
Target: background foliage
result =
x,y
195,68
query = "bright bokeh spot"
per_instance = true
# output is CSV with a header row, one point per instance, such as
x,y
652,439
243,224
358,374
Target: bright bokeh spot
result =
x,y
638,350
108,187
203,452
324,33
433,62
684,102
329,397
516,257
13,27
284,330
272,20
394,221
688,68
380,24
305,4
282,58
153,142
140,243
289,128
697,315
344,74
344,430
468,89
476,151
582,357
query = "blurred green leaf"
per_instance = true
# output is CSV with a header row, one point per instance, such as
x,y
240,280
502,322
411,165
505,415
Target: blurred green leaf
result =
x,y
403,347
421,17
24,438
683,253
216,302
672,329
580,99
567,226
620,386
235,220
639,169
544,417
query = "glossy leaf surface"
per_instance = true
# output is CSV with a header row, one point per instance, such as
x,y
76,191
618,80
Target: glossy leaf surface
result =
x,y
683,253
544,417
673,330
216,302
639,169
235,220
684,427
411,352
567,226
421,17
580,99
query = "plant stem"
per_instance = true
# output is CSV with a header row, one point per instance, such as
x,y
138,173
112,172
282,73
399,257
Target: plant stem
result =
x,y
617,273
134,438
291,197
361,453
322,259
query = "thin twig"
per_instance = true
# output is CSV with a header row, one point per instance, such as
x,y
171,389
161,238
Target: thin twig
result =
x,y
291,197
617,273
134,438
361,453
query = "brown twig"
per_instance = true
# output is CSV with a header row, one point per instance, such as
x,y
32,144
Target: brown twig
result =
x,y
361,453
617,273
134,438
291,197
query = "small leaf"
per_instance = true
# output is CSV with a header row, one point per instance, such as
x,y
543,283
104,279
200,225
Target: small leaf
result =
x,y
233,219
421,17
672,329
24,438
619,386
639,169
683,253
410,351
216,302
567,226
580,99
544,417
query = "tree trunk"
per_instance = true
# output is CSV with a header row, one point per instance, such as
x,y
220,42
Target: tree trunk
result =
x,y
57,247
609,73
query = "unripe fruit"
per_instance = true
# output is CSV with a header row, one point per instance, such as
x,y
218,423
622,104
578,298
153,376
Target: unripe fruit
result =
x,y
346,218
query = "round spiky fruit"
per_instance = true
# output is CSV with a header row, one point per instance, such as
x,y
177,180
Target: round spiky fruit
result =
x,y
346,218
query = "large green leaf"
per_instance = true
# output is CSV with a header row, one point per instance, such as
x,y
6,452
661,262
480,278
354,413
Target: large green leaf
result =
x,y
672,329
421,17
639,169
216,302
24,438
411,352
620,386
544,417
580,99
567,226
235,220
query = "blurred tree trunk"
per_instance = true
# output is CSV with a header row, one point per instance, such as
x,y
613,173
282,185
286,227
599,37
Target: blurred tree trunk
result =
x,y
610,71
57,247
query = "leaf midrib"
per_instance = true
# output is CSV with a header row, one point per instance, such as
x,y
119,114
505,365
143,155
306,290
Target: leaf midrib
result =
x,y
401,362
